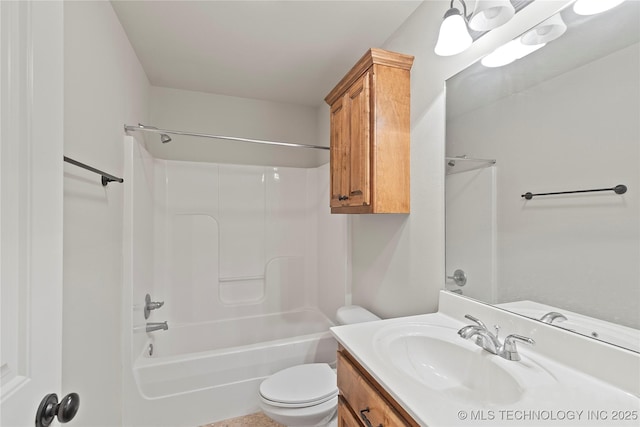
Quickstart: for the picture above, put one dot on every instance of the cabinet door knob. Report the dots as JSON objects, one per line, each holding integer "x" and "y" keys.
{"x": 343, "y": 198}
{"x": 365, "y": 419}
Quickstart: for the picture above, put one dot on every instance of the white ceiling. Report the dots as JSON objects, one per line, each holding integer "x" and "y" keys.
{"x": 284, "y": 51}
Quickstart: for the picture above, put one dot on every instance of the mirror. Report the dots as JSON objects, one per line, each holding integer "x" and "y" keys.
{"x": 565, "y": 117}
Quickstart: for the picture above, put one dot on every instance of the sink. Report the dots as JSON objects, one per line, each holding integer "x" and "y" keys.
{"x": 443, "y": 362}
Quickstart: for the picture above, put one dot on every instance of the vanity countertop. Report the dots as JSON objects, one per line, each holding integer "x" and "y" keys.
{"x": 546, "y": 392}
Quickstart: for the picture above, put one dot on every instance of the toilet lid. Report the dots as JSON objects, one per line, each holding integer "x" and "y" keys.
{"x": 300, "y": 385}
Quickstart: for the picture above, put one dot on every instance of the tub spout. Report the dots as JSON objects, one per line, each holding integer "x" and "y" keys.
{"x": 156, "y": 326}
{"x": 553, "y": 315}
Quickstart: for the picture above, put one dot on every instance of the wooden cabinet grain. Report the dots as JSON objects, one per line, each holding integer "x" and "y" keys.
{"x": 370, "y": 135}
{"x": 363, "y": 401}
{"x": 346, "y": 418}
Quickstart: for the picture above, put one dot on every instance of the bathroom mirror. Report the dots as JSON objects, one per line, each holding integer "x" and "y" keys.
{"x": 563, "y": 118}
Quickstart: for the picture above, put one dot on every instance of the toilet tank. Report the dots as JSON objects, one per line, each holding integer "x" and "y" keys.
{"x": 350, "y": 314}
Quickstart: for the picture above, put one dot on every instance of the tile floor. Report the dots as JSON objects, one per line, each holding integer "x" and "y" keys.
{"x": 253, "y": 420}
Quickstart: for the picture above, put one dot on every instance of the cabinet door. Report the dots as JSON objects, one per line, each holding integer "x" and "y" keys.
{"x": 359, "y": 109}
{"x": 345, "y": 416}
{"x": 340, "y": 148}
{"x": 363, "y": 397}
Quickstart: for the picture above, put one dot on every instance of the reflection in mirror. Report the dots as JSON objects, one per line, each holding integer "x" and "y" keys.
{"x": 564, "y": 116}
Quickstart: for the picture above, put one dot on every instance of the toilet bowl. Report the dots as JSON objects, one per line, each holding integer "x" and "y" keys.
{"x": 307, "y": 395}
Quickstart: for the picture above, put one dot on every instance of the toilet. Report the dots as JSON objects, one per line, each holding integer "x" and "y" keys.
{"x": 307, "y": 395}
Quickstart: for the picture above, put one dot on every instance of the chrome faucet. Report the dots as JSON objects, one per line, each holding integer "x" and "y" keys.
{"x": 490, "y": 342}
{"x": 484, "y": 338}
{"x": 156, "y": 326}
{"x": 551, "y": 316}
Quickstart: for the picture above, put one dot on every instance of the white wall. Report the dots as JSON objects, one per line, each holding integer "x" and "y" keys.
{"x": 105, "y": 87}
{"x": 231, "y": 116}
{"x": 398, "y": 260}
{"x": 578, "y": 130}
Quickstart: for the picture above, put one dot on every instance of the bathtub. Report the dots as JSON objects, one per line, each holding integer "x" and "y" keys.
{"x": 193, "y": 357}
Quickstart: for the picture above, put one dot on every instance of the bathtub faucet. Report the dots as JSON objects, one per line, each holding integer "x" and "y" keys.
{"x": 553, "y": 315}
{"x": 156, "y": 326}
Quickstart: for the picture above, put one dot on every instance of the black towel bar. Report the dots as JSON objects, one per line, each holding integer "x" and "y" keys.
{"x": 618, "y": 189}
{"x": 106, "y": 178}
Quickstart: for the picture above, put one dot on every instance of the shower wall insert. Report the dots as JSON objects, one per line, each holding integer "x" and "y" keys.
{"x": 233, "y": 256}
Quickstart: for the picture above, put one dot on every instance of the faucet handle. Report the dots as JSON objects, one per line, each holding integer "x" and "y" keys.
{"x": 155, "y": 305}
{"x": 150, "y": 305}
{"x": 476, "y": 320}
{"x": 509, "y": 349}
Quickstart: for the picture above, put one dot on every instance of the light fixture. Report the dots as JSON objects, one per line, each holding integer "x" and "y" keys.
{"x": 546, "y": 31}
{"x": 508, "y": 53}
{"x": 454, "y": 35}
{"x": 490, "y": 14}
{"x": 591, "y": 7}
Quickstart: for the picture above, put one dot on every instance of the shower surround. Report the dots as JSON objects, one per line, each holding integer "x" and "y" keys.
{"x": 234, "y": 252}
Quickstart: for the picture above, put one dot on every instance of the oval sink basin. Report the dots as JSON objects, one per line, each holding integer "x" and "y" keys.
{"x": 442, "y": 361}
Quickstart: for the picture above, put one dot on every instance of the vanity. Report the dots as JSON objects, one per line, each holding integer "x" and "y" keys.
{"x": 418, "y": 371}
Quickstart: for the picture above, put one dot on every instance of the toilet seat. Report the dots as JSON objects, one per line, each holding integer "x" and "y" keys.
{"x": 300, "y": 386}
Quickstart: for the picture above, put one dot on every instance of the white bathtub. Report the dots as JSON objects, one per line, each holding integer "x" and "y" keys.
{"x": 195, "y": 357}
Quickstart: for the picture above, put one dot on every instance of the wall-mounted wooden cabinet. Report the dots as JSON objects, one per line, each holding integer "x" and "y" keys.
{"x": 362, "y": 401}
{"x": 370, "y": 135}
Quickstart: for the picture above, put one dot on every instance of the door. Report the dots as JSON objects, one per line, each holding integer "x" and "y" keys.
{"x": 350, "y": 145}
{"x": 31, "y": 130}
{"x": 359, "y": 142}
{"x": 339, "y": 122}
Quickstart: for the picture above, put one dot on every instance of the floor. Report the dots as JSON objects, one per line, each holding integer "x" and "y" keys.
{"x": 253, "y": 420}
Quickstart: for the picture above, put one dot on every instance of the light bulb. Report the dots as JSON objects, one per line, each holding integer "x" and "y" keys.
{"x": 591, "y": 7}
{"x": 454, "y": 36}
{"x": 490, "y": 14}
{"x": 508, "y": 53}
{"x": 545, "y": 32}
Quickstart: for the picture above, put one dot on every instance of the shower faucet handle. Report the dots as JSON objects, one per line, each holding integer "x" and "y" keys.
{"x": 459, "y": 277}
{"x": 150, "y": 305}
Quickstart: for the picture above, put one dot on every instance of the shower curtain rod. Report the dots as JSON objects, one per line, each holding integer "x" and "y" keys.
{"x": 129, "y": 128}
